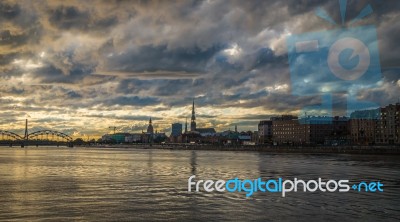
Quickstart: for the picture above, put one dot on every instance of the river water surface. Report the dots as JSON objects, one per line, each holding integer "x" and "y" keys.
{"x": 81, "y": 184}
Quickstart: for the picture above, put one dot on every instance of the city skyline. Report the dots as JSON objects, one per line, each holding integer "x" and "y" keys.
{"x": 366, "y": 116}
{"x": 80, "y": 68}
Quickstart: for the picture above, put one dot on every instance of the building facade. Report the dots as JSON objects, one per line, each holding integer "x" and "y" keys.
{"x": 288, "y": 130}
{"x": 265, "y": 132}
{"x": 310, "y": 130}
{"x": 388, "y": 125}
{"x": 176, "y": 129}
{"x": 363, "y": 126}
{"x": 362, "y": 131}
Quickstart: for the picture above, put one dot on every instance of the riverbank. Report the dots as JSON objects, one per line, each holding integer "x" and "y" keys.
{"x": 375, "y": 150}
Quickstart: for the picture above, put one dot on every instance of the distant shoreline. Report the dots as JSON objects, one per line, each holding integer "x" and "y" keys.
{"x": 369, "y": 150}
{"x": 375, "y": 150}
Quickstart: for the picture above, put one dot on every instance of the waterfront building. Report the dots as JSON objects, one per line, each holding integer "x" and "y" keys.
{"x": 159, "y": 137}
{"x": 287, "y": 130}
{"x": 206, "y": 131}
{"x": 362, "y": 131}
{"x": 133, "y": 138}
{"x": 363, "y": 126}
{"x": 176, "y": 133}
{"x": 255, "y": 137}
{"x": 106, "y": 138}
{"x": 265, "y": 131}
{"x": 388, "y": 125}
{"x": 118, "y": 138}
{"x": 310, "y": 130}
{"x": 176, "y": 129}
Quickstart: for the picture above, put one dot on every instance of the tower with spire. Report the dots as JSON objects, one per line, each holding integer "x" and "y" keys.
{"x": 150, "y": 127}
{"x": 193, "y": 120}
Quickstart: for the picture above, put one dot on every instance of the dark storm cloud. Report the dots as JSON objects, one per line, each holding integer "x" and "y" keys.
{"x": 9, "y": 11}
{"x": 265, "y": 56}
{"x": 66, "y": 17}
{"x": 6, "y": 38}
{"x": 131, "y": 101}
{"x": 154, "y": 58}
{"x": 71, "y": 17}
{"x": 70, "y": 70}
{"x": 124, "y": 117}
{"x": 74, "y": 95}
{"x": 51, "y": 74}
{"x": 5, "y": 59}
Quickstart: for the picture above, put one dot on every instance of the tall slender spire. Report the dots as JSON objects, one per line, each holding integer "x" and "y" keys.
{"x": 193, "y": 113}
{"x": 193, "y": 120}
{"x": 26, "y": 129}
{"x": 186, "y": 126}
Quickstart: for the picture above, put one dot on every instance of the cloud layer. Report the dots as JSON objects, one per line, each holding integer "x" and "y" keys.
{"x": 82, "y": 66}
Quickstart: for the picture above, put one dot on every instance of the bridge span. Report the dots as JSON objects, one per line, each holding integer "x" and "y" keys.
{"x": 40, "y": 137}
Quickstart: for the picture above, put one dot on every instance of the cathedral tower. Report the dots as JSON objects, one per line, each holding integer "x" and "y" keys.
{"x": 150, "y": 128}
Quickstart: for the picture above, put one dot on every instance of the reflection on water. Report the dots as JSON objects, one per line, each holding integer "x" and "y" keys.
{"x": 115, "y": 184}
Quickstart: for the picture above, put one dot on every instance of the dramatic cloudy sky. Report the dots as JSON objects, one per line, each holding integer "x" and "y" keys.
{"x": 82, "y": 66}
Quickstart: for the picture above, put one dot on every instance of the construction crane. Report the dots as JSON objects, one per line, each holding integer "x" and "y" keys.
{"x": 113, "y": 127}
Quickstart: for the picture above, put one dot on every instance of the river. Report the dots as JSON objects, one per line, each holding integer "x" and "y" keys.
{"x": 94, "y": 184}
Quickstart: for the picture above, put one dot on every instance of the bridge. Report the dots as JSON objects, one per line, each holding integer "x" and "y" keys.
{"x": 40, "y": 137}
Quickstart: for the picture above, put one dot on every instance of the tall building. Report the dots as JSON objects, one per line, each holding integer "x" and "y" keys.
{"x": 388, "y": 125}
{"x": 265, "y": 131}
{"x": 176, "y": 129}
{"x": 193, "y": 120}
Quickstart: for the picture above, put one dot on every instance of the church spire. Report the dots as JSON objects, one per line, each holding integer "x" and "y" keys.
{"x": 193, "y": 120}
{"x": 186, "y": 126}
{"x": 193, "y": 113}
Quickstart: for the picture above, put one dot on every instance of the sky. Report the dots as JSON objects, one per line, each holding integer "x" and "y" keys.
{"x": 80, "y": 67}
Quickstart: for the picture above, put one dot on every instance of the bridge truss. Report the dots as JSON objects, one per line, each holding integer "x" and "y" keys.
{"x": 42, "y": 135}
{"x": 49, "y": 135}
